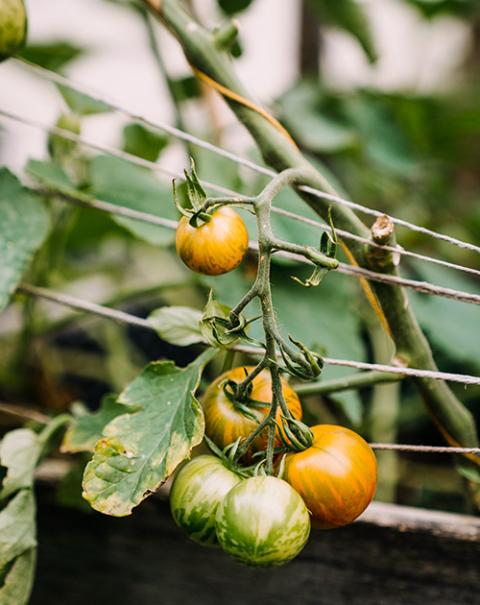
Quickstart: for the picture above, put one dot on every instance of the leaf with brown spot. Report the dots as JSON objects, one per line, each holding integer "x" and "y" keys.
{"x": 138, "y": 451}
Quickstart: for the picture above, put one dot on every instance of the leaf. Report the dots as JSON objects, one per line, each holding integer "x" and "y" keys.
{"x": 17, "y": 527}
{"x": 434, "y": 8}
{"x": 82, "y": 104}
{"x": 120, "y": 182}
{"x": 230, "y": 7}
{"x": 18, "y": 583}
{"x": 185, "y": 88}
{"x": 52, "y": 55}
{"x": 85, "y": 430}
{"x": 143, "y": 142}
{"x": 349, "y": 16}
{"x": 177, "y": 325}
{"x": 50, "y": 174}
{"x": 24, "y": 225}
{"x": 140, "y": 450}
{"x": 451, "y": 325}
{"x": 19, "y": 453}
{"x": 312, "y": 122}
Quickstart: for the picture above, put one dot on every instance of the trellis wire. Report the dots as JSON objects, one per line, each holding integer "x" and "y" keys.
{"x": 466, "y": 297}
{"x": 123, "y": 317}
{"x": 180, "y": 134}
{"x": 343, "y": 268}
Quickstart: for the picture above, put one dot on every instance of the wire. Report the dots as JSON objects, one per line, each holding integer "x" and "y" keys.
{"x": 345, "y": 269}
{"x": 180, "y": 134}
{"x": 225, "y": 191}
{"x": 123, "y": 317}
{"x": 425, "y": 449}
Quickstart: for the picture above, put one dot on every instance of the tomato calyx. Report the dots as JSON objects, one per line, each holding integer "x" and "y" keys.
{"x": 228, "y": 456}
{"x": 216, "y": 325}
{"x": 295, "y": 435}
{"x": 300, "y": 362}
{"x": 328, "y": 249}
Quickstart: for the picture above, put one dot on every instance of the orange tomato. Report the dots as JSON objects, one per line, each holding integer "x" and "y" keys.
{"x": 224, "y": 423}
{"x": 216, "y": 247}
{"x": 336, "y": 476}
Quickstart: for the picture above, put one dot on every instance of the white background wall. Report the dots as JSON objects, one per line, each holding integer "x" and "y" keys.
{"x": 415, "y": 54}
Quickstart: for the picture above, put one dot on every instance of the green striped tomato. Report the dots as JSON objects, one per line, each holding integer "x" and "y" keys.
{"x": 197, "y": 490}
{"x": 262, "y": 522}
{"x": 336, "y": 476}
{"x": 13, "y": 27}
{"x": 215, "y": 247}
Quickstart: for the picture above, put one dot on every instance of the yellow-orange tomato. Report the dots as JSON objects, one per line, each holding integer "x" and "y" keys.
{"x": 336, "y": 476}
{"x": 224, "y": 424}
{"x": 215, "y": 247}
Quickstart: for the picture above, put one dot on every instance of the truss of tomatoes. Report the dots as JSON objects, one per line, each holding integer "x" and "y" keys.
{"x": 264, "y": 520}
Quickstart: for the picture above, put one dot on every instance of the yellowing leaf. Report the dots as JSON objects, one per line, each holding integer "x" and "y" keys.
{"x": 138, "y": 451}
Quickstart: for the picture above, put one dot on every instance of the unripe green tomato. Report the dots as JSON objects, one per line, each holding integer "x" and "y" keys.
{"x": 13, "y": 27}
{"x": 262, "y": 522}
{"x": 197, "y": 490}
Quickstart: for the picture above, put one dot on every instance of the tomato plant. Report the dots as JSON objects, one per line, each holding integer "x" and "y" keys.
{"x": 197, "y": 490}
{"x": 216, "y": 246}
{"x": 336, "y": 476}
{"x": 262, "y": 522}
{"x": 225, "y": 423}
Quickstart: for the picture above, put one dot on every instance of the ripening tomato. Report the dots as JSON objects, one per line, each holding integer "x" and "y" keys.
{"x": 262, "y": 522}
{"x": 224, "y": 424}
{"x": 216, "y": 247}
{"x": 197, "y": 490}
{"x": 13, "y": 27}
{"x": 336, "y": 476}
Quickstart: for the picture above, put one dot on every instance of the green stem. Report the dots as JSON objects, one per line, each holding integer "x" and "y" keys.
{"x": 348, "y": 383}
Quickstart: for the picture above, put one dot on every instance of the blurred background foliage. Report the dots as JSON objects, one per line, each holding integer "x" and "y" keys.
{"x": 413, "y": 155}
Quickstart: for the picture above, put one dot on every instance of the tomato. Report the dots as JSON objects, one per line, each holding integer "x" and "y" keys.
{"x": 262, "y": 522}
{"x": 216, "y": 247}
{"x": 224, "y": 424}
{"x": 336, "y": 476}
{"x": 13, "y": 27}
{"x": 197, "y": 490}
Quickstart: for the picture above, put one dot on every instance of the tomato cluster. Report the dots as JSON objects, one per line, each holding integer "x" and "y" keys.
{"x": 263, "y": 520}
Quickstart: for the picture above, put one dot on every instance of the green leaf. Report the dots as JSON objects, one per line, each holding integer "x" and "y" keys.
{"x": 312, "y": 122}
{"x": 52, "y": 55}
{"x": 18, "y": 583}
{"x": 139, "y": 451}
{"x": 120, "y": 182}
{"x": 17, "y": 527}
{"x": 451, "y": 325}
{"x": 177, "y": 325}
{"x": 50, "y": 174}
{"x": 85, "y": 430}
{"x": 143, "y": 142}
{"x": 19, "y": 453}
{"x": 230, "y": 7}
{"x": 24, "y": 225}
{"x": 82, "y": 104}
{"x": 185, "y": 88}
{"x": 434, "y": 8}
{"x": 349, "y": 16}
